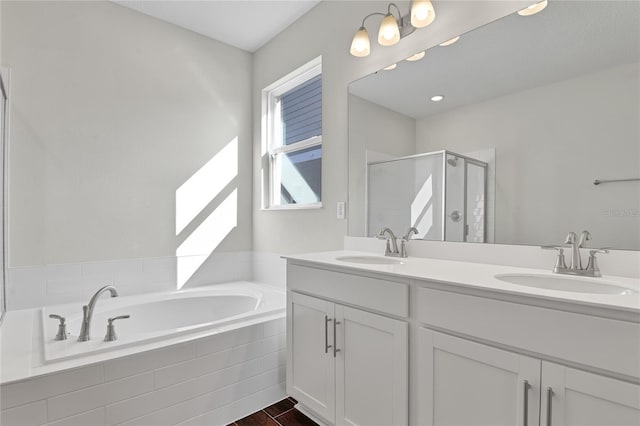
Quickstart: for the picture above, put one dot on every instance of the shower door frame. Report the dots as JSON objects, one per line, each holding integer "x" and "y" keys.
{"x": 465, "y": 224}
{"x": 5, "y": 77}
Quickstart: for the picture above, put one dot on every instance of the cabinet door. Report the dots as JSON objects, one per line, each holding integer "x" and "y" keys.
{"x": 575, "y": 397}
{"x": 461, "y": 382}
{"x": 310, "y": 362}
{"x": 371, "y": 369}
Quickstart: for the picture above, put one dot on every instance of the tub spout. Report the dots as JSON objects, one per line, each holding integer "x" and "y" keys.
{"x": 87, "y": 312}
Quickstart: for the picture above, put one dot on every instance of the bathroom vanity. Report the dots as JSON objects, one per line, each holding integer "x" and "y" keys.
{"x": 374, "y": 340}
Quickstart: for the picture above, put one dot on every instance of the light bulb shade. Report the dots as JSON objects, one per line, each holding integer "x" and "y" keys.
{"x": 533, "y": 9}
{"x": 422, "y": 13}
{"x": 360, "y": 46}
{"x": 389, "y": 33}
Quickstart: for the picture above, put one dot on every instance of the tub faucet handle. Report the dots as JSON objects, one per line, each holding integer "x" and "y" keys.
{"x": 111, "y": 329}
{"x": 62, "y": 327}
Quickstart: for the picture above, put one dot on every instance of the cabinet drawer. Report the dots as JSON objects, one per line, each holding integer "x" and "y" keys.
{"x": 370, "y": 293}
{"x": 587, "y": 340}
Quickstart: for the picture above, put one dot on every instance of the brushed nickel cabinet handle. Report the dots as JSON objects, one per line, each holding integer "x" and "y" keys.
{"x": 525, "y": 409}
{"x": 549, "y": 402}
{"x": 327, "y": 346}
{"x": 335, "y": 346}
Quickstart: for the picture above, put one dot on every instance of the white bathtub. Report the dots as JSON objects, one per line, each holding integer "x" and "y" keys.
{"x": 160, "y": 316}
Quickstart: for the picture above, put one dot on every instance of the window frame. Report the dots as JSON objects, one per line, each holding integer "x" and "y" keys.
{"x": 272, "y": 145}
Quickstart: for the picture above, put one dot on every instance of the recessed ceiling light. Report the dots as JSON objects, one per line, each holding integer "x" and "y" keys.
{"x": 450, "y": 42}
{"x": 437, "y": 98}
{"x": 390, "y": 67}
{"x": 533, "y": 9}
{"x": 416, "y": 57}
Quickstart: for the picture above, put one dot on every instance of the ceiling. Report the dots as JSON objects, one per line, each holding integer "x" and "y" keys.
{"x": 567, "y": 39}
{"x": 246, "y": 24}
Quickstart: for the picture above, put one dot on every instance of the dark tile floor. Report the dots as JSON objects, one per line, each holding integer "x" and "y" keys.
{"x": 281, "y": 413}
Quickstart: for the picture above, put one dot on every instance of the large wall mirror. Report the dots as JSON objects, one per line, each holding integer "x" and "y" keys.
{"x": 534, "y": 110}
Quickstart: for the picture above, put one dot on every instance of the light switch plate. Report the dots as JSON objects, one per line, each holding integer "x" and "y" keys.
{"x": 341, "y": 207}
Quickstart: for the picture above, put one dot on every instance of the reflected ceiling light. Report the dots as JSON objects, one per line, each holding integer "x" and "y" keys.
{"x": 437, "y": 98}
{"x": 394, "y": 26}
{"x": 390, "y": 67}
{"x": 416, "y": 57}
{"x": 360, "y": 46}
{"x": 450, "y": 42}
{"x": 533, "y": 9}
{"x": 422, "y": 13}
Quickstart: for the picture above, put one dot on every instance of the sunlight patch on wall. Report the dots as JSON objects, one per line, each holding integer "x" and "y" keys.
{"x": 193, "y": 252}
{"x": 422, "y": 208}
{"x": 205, "y": 184}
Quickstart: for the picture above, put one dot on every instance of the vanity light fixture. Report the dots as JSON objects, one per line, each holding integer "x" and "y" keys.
{"x": 393, "y": 28}
{"x": 450, "y": 42}
{"x": 437, "y": 98}
{"x": 416, "y": 57}
{"x": 422, "y": 13}
{"x": 533, "y": 9}
{"x": 390, "y": 67}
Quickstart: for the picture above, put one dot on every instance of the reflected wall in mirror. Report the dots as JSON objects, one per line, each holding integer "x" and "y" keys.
{"x": 550, "y": 102}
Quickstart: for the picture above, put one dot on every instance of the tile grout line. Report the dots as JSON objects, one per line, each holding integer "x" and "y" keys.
{"x": 284, "y": 412}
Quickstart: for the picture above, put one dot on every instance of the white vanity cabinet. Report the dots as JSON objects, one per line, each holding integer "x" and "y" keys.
{"x": 468, "y": 383}
{"x": 576, "y": 397}
{"x": 476, "y": 355}
{"x": 347, "y": 365}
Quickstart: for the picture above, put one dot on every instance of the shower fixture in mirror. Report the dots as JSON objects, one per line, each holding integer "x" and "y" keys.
{"x": 545, "y": 103}
{"x": 455, "y": 182}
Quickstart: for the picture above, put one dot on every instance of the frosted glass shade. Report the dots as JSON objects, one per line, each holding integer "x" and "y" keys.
{"x": 389, "y": 33}
{"x": 360, "y": 46}
{"x": 422, "y": 13}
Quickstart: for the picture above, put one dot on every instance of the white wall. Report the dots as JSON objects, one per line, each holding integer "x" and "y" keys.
{"x": 327, "y": 30}
{"x": 551, "y": 143}
{"x": 372, "y": 127}
{"x": 112, "y": 112}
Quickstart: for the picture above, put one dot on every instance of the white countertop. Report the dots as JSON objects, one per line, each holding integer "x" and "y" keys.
{"x": 481, "y": 276}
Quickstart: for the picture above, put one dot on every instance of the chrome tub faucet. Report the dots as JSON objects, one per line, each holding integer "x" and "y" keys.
{"x": 87, "y": 312}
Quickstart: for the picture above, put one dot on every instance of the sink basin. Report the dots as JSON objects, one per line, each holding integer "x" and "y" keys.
{"x": 370, "y": 260}
{"x": 572, "y": 284}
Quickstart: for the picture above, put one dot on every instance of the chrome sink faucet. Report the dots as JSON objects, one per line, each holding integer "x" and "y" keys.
{"x": 87, "y": 312}
{"x": 391, "y": 242}
{"x": 405, "y": 240}
{"x": 575, "y": 268}
{"x": 392, "y": 245}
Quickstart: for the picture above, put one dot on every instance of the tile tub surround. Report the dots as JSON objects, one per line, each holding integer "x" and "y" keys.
{"x": 44, "y": 285}
{"x": 212, "y": 380}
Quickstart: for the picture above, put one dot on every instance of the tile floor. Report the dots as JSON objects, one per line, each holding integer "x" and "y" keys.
{"x": 281, "y": 413}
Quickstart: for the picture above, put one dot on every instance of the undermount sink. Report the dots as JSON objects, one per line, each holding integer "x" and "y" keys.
{"x": 370, "y": 260}
{"x": 572, "y": 284}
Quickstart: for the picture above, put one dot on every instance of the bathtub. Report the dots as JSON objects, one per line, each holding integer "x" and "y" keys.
{"x": 171, "y": 316}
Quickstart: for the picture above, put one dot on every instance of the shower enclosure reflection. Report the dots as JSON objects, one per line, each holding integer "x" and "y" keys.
{"x": 443, "y": 194}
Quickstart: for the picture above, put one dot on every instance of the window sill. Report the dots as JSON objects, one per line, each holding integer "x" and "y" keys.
{"x": 314, "y": 206}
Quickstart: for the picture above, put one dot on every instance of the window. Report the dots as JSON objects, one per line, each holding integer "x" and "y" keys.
{"x": 293, "y": 130}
